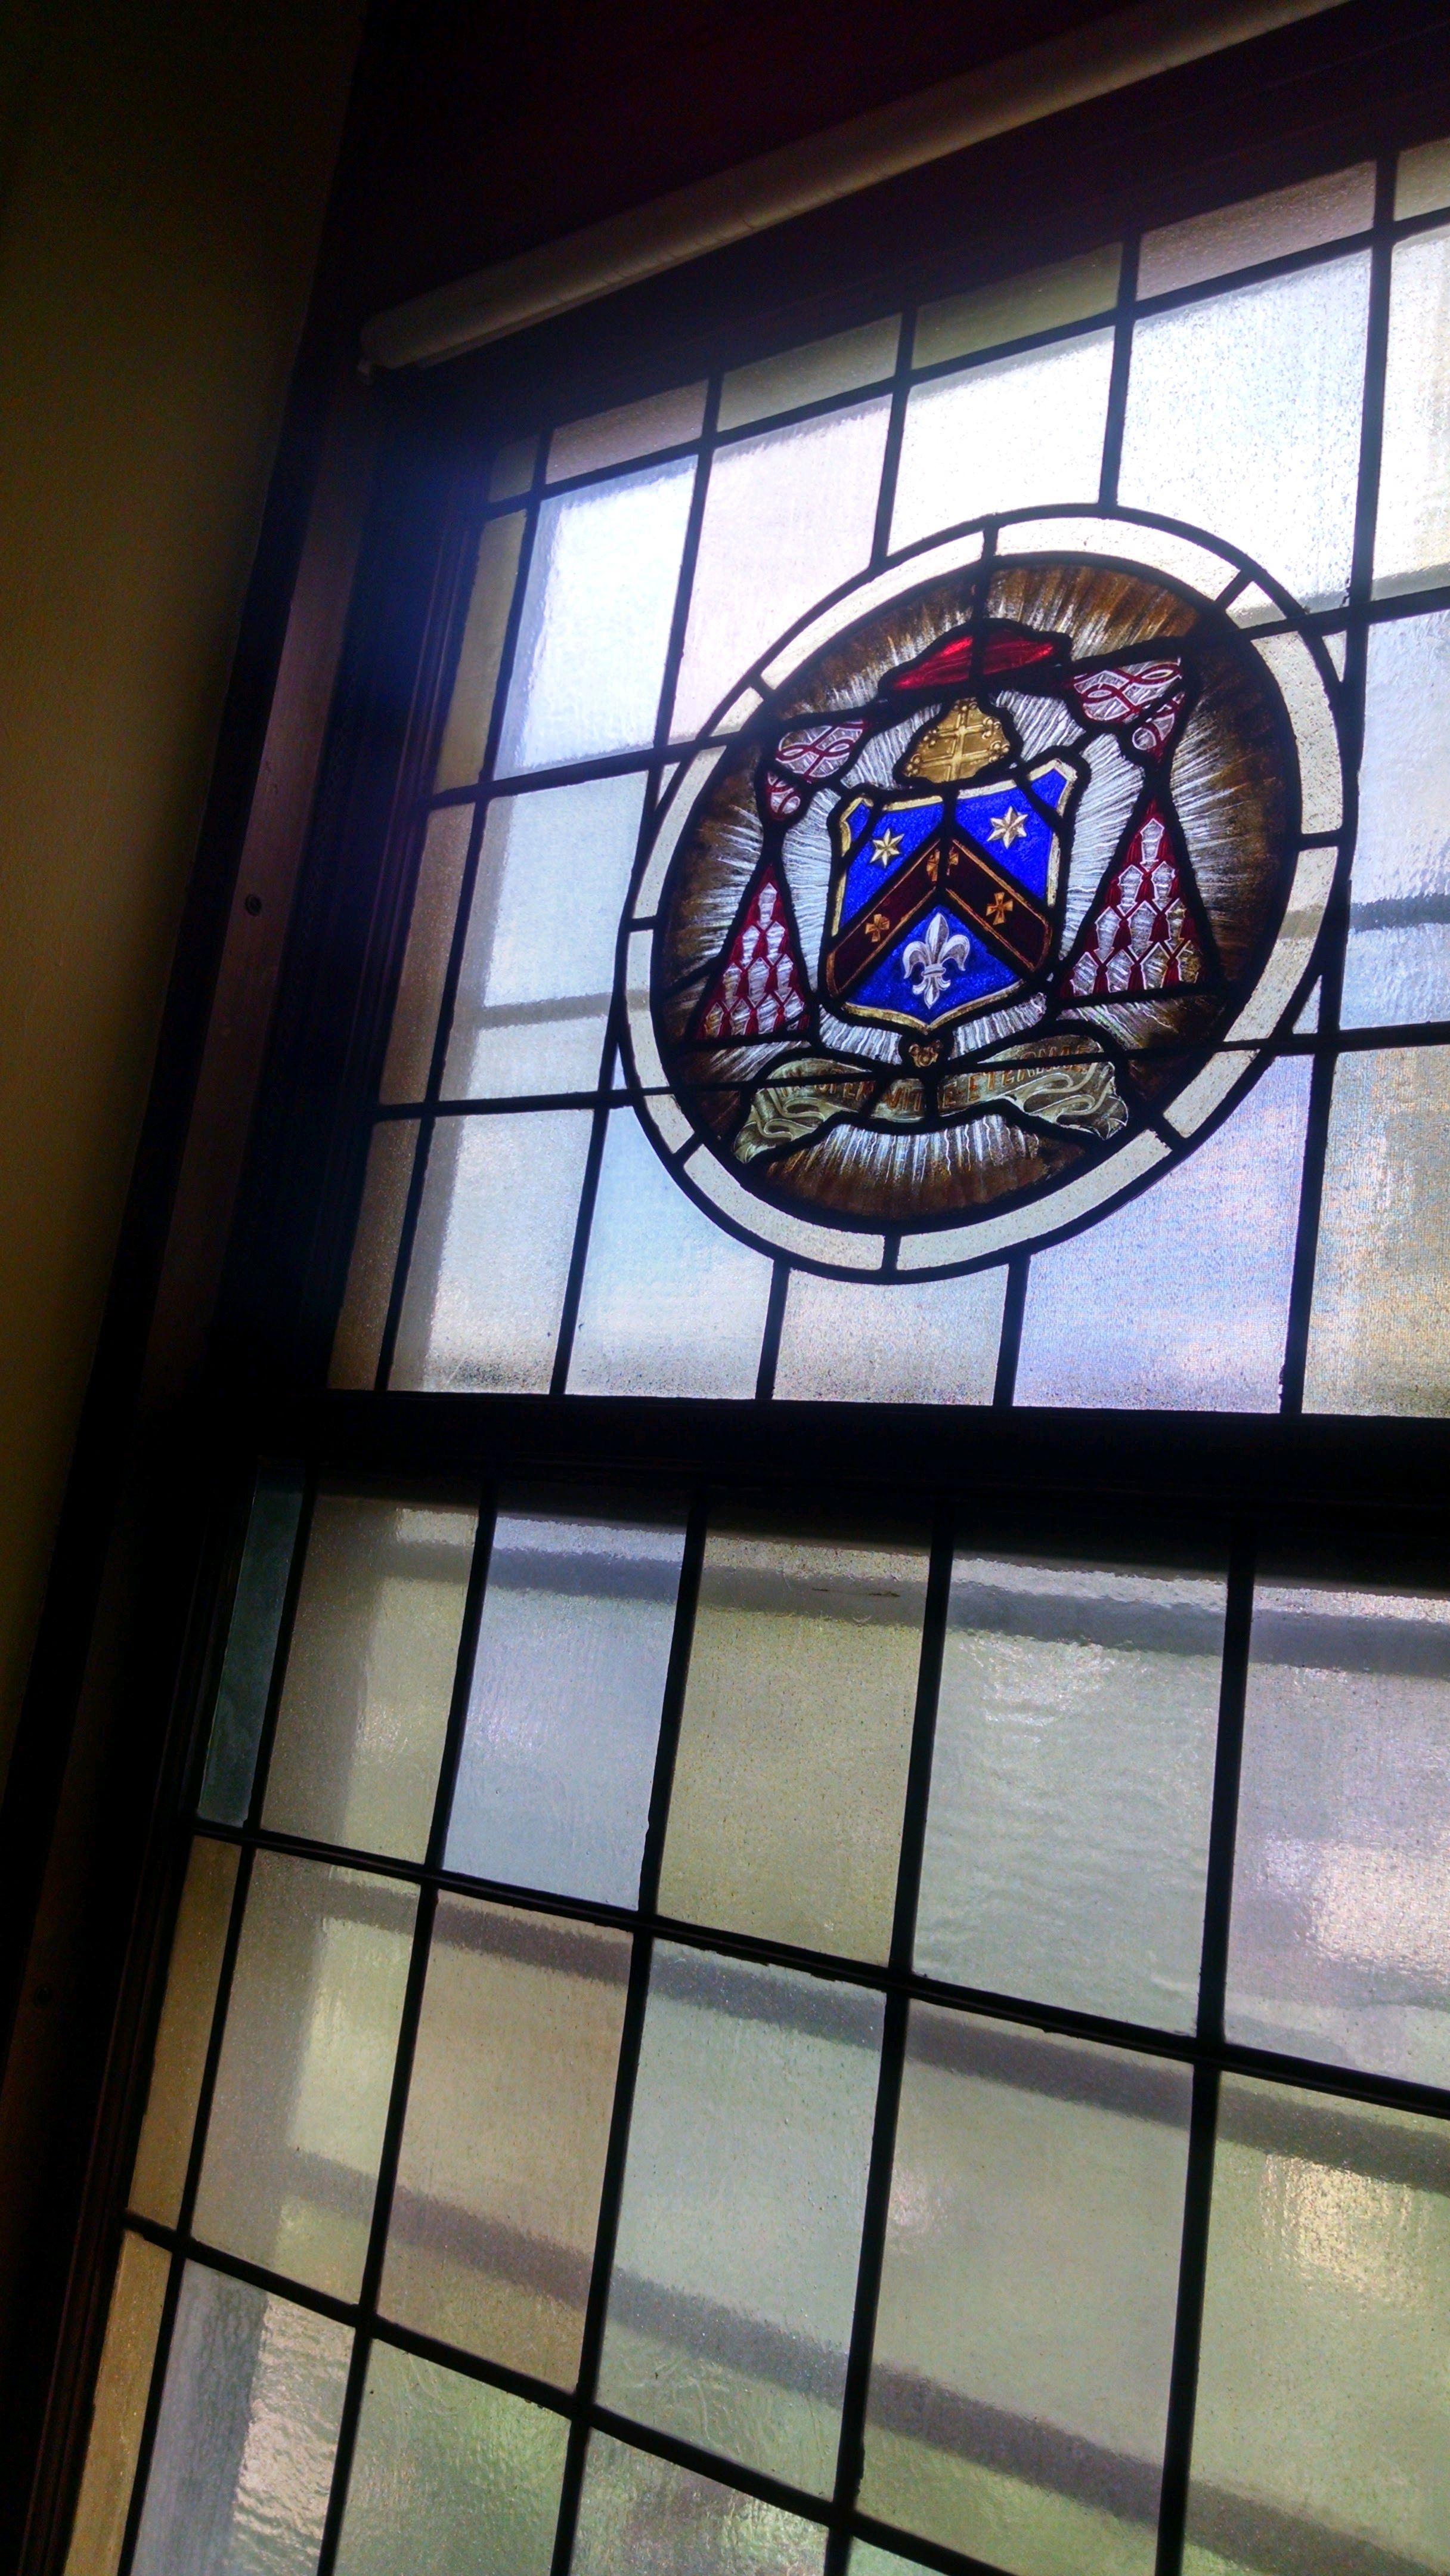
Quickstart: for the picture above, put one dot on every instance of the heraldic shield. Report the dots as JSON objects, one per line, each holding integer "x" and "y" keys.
{"x": 946, "y": 902}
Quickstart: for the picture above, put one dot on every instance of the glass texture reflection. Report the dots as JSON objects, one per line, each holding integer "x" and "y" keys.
{"x": 448, "y": 2469}
{"x": 647, "y": 2515}
{"x": 1067, "y": 1834}
{"x": 739, "y": 2233}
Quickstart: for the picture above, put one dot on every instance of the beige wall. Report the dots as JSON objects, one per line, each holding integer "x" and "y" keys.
{"x": 164, "y": 166}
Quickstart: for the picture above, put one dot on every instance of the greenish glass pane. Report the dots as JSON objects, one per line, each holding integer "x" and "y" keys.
{"x": 241, "y": 1700}
{"x": 1024, "y": 2333}
{"x": 868, "y": 2560}
{"x": 449, "y": 2474}
{"x": 646, "y": 2516}
{"x": 1322, "y": 2433}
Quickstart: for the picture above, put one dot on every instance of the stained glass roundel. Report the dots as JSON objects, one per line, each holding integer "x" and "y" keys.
{"x": 983, "y": 899}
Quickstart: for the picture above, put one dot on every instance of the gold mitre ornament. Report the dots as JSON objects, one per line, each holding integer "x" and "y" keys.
{"x": 963, "y": 741}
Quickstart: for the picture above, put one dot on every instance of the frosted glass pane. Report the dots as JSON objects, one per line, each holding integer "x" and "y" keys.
{"x": 1317, "y": 210}
{"x": 465, "y": 734}
{"x": 1243, "y": 417}
{"x": 538, "y": 961}
{"x": 930, "y": 1344}
{"x": 1412, "y": 533}
{"x": 306, "y": 2066}
{"x": 358, "y": 1342}
{"x": 425, "y": 960}
{"x": 1181, "y": 1298}
{"x": 1003, "y": 435}
{"x": 1025, "y": 2330}
{"x": 632, "y": 429}
{"x": 1340, "y": 1939}
{"x": 491, "y": 2243}
{"x": 787, "y": 517}
{"x": 790, "y": 1774}
{"x": 491, "y": 1254}
{"x": 241, "y": 1700}
{"x": 596, "y": 619}
{"x": 1379, "y": 1338}
{"x": 1398, "y": 962}
{"x": 811, "y": 374}
{"x": 672, "y": 1305}
{"x": 449, "y": 2473}
{"x": 739, "y": 2235}
{"x": 1072, "y": 1781}
{"x": 647, "y": 2515}
{"x": 1323, "y": 2422}
{"x": 1422, "y": 182}
{"x": 243, "y": 2459}
{"x": 512, "y": 470}
{"x": 558, "y": 1756}
{"x": 184, "y": 2033}
{"x": 123, "y": 2384}
{"x": 1012, "y": 308}
{"x": 370, "y": 1674}
{"x": 867, "y": 2560}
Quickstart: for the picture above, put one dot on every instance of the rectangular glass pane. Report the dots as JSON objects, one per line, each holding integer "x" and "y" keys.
{"x": 465, "y": 735}
{"x": 672, "y": 1305}
{"x": 358, "y": 1342}
{"x": 184, "y": 2033}
{"x": 538, "y": 960}
{"x": 1398, "y": 961}
{"x": 490, "y": 1257}
{"x": 1072, "y": 1782}
{"x": 596, "y": 619}
{"x": 243, "y": 2460}
{"x": 1422, "y": 182}
{"x": 632, "y": 429}
{"x": 1013, "y": 308}
{"x": 558, "y": 1756}
{"x": 512, "y": 470}
{"x": 739, "y": 2235}
{"x": 1379, "y": 1339}
{"x": 1180, "y": 1298}
{"x": 1412, "y": 531}
{"x": 1025, "y": 2331}
{"x": 1323, "y": 2421}
{"x": 306, "y": 2068}
{"x": 370, "y": 1673}
{"x": 491, "y": 2244}
{"x": 1340, "y": 1940}
{"x": 1317, "y": 210}
{"x": 246, "y": 1677}
{"x": 935, "y": 1343}
{"x": 1243, "y": 417}
{"x": 645, "y": 2514}
{"x": 119, "y": 2410}
{"x": 785, "y": 1815}
{"x": 787, "y": 517}
{"x": 812, "y": 374}
{"x": 1000, "y": 436}
{"x": 450, "y": 2473}
{"x": 425, "y": 960}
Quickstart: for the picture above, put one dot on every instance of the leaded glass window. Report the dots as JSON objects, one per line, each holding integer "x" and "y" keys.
{"x": 932, "y": 877}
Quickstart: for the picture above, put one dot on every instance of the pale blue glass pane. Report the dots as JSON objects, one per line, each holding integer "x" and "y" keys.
{"x": 1412, "y": 528}
{"x": 1004, "y": 435}
{"x": 449, "y": 2473}
{"x": 1398, "y": 962}
{"x": 672, "y": 1305}
{"x": 640, "y": 2513}
{"x": 1340, "y": 1942}
{"x": 538, "y": 960}
{"x": 1024, "y": 2334}
{"x": 558, "y": 1757}
{"x": 596, "y": 619}
{"x": 787, "y": 517}
{"x": 1072, "y": 1780}
{"x": 739, "y": 2236}
{"x": 490, "y": 1259}
{"x": 243, "y": 2459}
{"x": 1180, "y": 1298}
{"x": 1243, "y": 418}
{"x": 241, "y": 1700}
